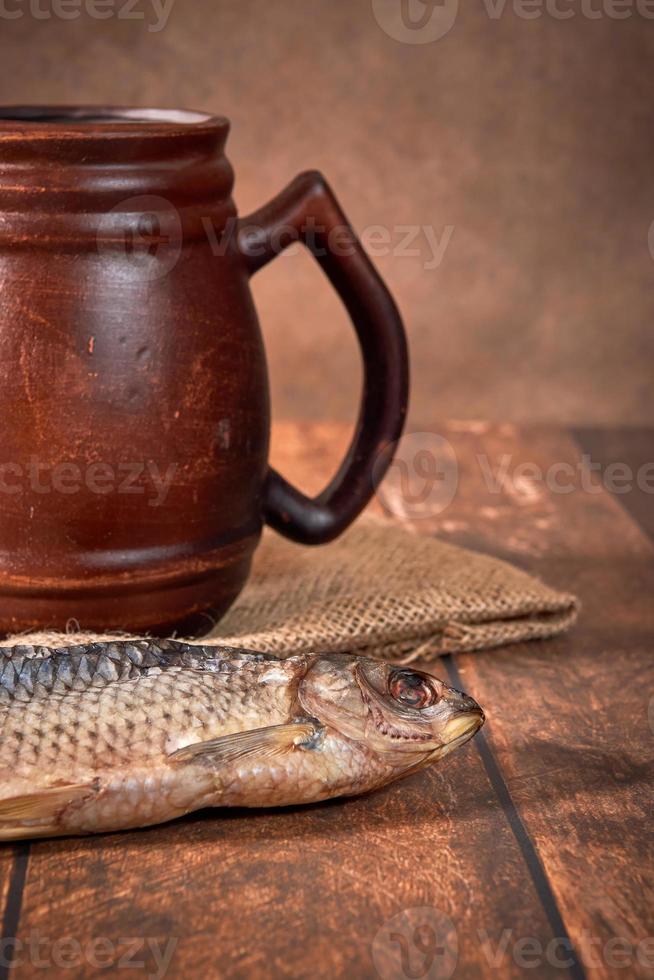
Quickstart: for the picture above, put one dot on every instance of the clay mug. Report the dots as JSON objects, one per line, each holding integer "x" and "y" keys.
{"x": 134, "y": 477}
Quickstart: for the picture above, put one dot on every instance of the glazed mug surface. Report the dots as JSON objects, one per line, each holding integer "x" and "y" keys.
{"x": 134, "y": 477}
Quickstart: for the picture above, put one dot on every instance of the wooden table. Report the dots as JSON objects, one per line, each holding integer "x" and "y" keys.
{"x": 530, "y": 849}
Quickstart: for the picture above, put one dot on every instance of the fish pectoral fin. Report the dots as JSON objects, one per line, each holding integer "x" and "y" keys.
{"x": 260, "y": 742}
{"x": 44, "y": 805}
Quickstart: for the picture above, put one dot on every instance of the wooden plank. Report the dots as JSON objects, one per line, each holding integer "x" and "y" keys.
{"x": 301, "y": 892}
{"x": 13, "y": 867}
{"x": 576, "y": 754}
{"x": 571, "y": 720}
{"x": 630, "y": 448}
{"x": 518, "y": 493}
{"x": 579, "y": 770}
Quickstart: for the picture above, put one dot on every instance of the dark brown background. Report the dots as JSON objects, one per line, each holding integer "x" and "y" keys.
{"x": 532, "y": 138}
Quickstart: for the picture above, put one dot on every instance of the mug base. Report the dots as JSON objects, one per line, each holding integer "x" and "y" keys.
{"x": 171, "y": 606}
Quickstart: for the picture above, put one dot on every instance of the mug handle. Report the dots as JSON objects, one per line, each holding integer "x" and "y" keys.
{"x": 307, "y": 210}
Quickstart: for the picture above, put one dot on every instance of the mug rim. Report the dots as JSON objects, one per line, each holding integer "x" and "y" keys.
{"x": 105, "y": 120}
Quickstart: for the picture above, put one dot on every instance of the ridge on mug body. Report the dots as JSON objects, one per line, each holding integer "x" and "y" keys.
{"x": 134, "y": 477}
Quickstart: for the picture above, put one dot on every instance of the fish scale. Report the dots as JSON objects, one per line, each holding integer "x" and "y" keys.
{"x": 79, "y": 667}
{"x": 152, "y": 692}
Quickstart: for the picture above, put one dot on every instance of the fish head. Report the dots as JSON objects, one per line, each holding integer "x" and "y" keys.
{"x": 407, "y": 717}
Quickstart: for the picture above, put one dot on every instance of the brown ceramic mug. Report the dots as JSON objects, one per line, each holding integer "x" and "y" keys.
{"x": 134, "y": 477}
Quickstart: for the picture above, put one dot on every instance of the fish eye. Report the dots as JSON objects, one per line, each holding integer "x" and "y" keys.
{"x": 411, "y": 689}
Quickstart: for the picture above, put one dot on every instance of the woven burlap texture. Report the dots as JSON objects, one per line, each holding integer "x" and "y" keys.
{"x": 382, "y": 591}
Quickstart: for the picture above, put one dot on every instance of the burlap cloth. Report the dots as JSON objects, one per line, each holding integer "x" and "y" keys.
{"x": 381, "y": 591}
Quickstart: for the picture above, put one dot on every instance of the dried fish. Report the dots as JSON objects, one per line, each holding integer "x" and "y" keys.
{"x": 124, "y": 734}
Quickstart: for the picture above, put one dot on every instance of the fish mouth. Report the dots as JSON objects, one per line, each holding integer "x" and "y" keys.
{"x": 459, "y": 730}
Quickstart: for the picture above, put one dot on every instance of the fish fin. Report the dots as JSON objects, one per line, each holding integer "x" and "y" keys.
{"x": 34, "y": 813}
{"x": 260, "y": 742}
